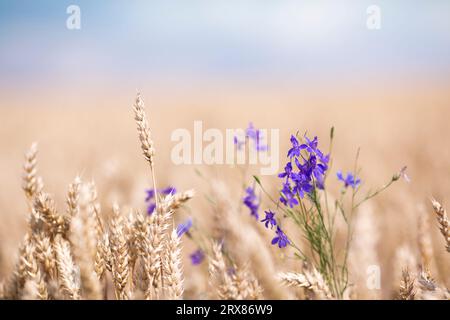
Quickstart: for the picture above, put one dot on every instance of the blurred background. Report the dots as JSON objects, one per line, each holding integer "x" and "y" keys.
{"x": 292, "y": 65}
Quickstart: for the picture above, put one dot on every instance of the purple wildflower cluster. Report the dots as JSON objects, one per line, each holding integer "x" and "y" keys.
{"x": 151, "y": 205}
{"x": 253, "y": 134}
{"x": 349, "y": 181}
{"x": 251, "y": 201}
{"x": 280, "y": 238}
{"x": 311, "y": 165}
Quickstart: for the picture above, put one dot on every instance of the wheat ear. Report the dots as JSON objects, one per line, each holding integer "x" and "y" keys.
{"x": 406, "y": 291}
{"x": 181, "y": 198}
{"x": 246, "y": 283}
{"x": 145, "y": 138}
{"x": 159, "y": 223}
{"x": 120, "y": 255}
{"x": 68, "y": 274}
{"x": 30, "y": 182}
{"x": 45, "y": 207}
{"x": 173, "y": 269}
{"x": 442, "y": 219}
{"x": 219, "y": 274}
{"x": 45, "y": 255}
{"x": 310, "y": 279}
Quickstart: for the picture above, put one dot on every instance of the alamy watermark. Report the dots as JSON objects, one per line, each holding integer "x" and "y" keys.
{"x": 373, "y": 21}
{"x": 230, "y": 147}
{"x": 73, "y": 21}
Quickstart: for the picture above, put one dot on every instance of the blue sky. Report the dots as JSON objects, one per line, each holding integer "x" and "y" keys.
{"x": 221, "y": 39}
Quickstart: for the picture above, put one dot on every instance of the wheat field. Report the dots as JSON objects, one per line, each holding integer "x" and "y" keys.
{"x": 75, "y": 220}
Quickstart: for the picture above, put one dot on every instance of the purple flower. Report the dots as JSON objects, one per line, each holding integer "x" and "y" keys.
{"x": 184, "y": 227}
{"x": 287, "y": 171}
{"x": 287, "y": 196}
{"x": 197, "y": 257}
{"x": 310, "y": 146}
{"x": 251, "y": 201}
{"x": 281, "y": 239}
{"x": 296, "y": 148}
{"x": 350, "y": 180}
{"x": 311, "y": 165}
{"x": 302, "y": 185}
{"x": 269, "y": 219}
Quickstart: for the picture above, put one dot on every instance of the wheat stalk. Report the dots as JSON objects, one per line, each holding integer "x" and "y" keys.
{"x": 173, "y": 268}
{"x": 145, "y": 138}
{"x": 424, "y": 242}
{"x": 159, "y": 223}
{"x": 90, "y": 284}
{"x": 45, "y": 255}
{"x": 120, "y": 255}
{"x": 30, "y": 181}
{"x": 246, "y": 283}
{"x": 406, "y": 291}
{"x": 181, "y": 198}
{"x": 68, "y": 273}
{"x": 219, "y": 274}
{"x": 443, "y": 222}
{"x": 45, "y": 207}
{"x": 310, "y": 279}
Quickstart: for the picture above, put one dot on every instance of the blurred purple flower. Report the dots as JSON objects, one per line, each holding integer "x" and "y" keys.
{"x": 252, "y": 134}
{"x": 197, "y": 257}
{"x": 349, "y": 180}
{"x": 251, "y": 201}
{"x": 184, "y": 227}
{"x": 151, "y": 207}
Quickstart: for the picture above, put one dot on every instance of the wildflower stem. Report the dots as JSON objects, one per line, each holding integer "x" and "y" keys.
{"x": 373, "y": 194}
